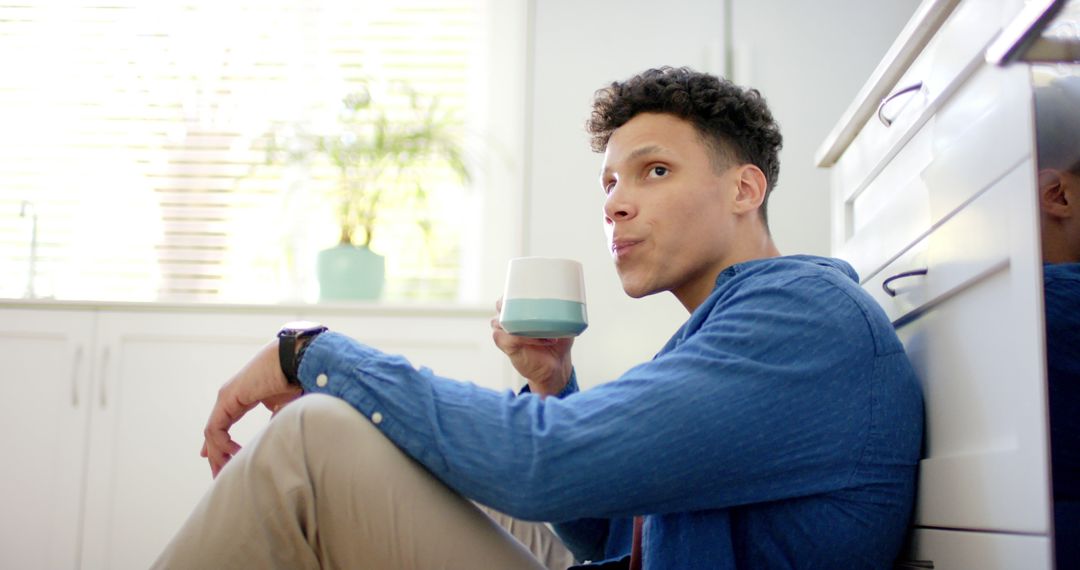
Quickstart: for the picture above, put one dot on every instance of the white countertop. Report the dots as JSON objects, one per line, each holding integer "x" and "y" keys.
{"x": 339, "y": 308}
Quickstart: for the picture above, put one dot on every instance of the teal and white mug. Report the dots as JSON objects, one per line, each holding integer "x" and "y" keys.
{"x": 544, "y": 298}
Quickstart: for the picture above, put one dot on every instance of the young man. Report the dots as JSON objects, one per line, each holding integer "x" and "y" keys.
{"x": 1057, "y": 137}
{"x": 779, "y": 427}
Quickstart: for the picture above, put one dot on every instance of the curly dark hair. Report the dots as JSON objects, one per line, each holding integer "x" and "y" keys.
{"x": 734, "y": 122}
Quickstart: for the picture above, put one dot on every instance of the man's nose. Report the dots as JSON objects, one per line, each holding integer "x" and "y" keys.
{"x": 618, "y": 206}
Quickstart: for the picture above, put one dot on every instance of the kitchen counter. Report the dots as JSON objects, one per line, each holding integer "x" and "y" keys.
{"x": 336, "y": 309}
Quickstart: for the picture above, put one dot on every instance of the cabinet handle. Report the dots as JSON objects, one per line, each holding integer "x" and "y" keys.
{"x": 1023, "y": 32}
{"x": 892, "y": 292}
{"x": 913, "y": 564}
{"x": 75, "y": 365}
{"x": 886, "y": 120}
{"x": 104, "y": 377}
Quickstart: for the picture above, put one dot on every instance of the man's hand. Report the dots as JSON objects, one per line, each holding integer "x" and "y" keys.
{"x": 259, "y": 381}
{"x": 544, "y": 362}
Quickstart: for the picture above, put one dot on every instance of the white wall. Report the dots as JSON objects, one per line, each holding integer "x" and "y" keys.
{"x": 500, "y": 111}
{"x": 808, "y": 58}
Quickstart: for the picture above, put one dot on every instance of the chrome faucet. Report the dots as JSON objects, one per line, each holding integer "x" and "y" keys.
{"x": 28, "y": 209}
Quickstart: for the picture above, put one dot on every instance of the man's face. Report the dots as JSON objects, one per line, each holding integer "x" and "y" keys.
{"x": 668, "y": 214}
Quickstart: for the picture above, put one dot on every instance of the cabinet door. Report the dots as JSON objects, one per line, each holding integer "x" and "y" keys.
{"x": 160, "y": 376}
{"x": 977, "y": 345}
{"x": 43, "y": 419}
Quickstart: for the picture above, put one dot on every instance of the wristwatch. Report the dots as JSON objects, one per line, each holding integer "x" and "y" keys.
{"x": 288, "y": 336}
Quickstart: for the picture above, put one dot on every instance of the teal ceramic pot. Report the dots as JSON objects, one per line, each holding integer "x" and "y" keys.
{"x": 350, "y": 273}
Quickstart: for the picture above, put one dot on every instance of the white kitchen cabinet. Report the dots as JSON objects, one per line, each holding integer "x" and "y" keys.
{"x": 934, "y": 204}
{"x": 971, "y": 329}
{"x": 105, "y": 409}
{"x": 158, "y": 377}
{"x": 47, "y": 358}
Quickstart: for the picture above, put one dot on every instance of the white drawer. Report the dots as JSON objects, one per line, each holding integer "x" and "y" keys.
{"x": 967, "y": 146}
{"x": 979, "y": 356}
{"x": 962, "y": 249}
{"x": 973, "y": 332}
{"x": 876, "y": 143}
{"x": 954, "y": 51}
{"x": 958, "y": 550}
{"x": 979, "y": 135}
{"x": 892, "y": 213}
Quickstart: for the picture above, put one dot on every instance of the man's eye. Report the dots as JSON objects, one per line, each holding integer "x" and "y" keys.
{"x": 659, "y": 171}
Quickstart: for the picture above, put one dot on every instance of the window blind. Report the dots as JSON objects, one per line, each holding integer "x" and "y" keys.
{"x": 134, "y": 133}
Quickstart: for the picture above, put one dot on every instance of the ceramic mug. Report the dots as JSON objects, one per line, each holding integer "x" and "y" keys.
{"x": 544, "y": 298}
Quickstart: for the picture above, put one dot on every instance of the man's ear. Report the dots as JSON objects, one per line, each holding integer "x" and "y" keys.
{"x": 1053, "y": 199}
{"x": 751, "y": 184}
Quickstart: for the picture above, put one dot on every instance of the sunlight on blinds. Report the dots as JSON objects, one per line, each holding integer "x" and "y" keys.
{"x": 133, "y": 162}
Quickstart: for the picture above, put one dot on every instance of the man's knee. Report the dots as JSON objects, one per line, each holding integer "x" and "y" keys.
{"x": 340, "y": 449}
{"x": 304, "y": 426}
{"x": 314, "y": 418}
{"x": 315, "y": 406}
{"x": 305, "y": 441}
{"x": 322, "y": 427}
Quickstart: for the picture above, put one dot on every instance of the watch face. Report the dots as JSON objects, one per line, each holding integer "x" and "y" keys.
{"x": 300, "y": 327}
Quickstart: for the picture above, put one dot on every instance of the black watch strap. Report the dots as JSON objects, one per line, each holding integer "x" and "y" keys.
{"x": 288, "y": 336}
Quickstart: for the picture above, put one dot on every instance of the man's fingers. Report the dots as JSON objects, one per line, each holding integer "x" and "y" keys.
{"x": 219, "y": 447}
{"x": 510, "y": 344}
{"x": 504, "y": 340}
{"x": 218, "y": 457}
{"x": 219, "y": 440}
{"x": 231, "y": 447}
{"x": 227, "y": 411}
{"x": 215, "y": 466}
{"x": 259, "y": 380}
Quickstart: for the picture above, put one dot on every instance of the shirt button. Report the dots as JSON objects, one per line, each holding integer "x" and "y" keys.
{"x": 376, "y": 418}
{"x": 321, "y": 380}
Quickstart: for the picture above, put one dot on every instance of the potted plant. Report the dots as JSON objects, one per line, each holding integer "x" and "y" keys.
{"x": 380, "y": 152}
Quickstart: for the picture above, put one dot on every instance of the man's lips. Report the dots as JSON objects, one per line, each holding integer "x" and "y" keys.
{"x": 621, "y": 246}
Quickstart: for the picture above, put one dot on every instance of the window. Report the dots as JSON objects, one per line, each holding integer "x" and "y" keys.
{"x": 133, "y": 162}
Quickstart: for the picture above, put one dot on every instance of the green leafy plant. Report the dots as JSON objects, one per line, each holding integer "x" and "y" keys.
{"x": 383, "y": 151}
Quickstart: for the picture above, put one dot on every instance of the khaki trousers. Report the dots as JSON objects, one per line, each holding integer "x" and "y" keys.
{"x": 321, "y": 487}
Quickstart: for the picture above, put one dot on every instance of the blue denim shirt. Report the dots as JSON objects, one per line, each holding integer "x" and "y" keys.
{"x": 779, "y": 427}
{"x": 1062, "y": 294}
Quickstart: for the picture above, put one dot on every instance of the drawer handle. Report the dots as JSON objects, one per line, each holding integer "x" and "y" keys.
{"x": 75, "y": 376}
{"x": 104, "y": 377}
{"x": 913, "y": 564}
{"x": 892, "y": 292}
{"x": 886, "y": 120}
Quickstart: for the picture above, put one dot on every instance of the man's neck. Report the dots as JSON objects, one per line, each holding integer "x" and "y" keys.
{"x": 694, "y": 294}
{"x": 1056, "y": 244}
